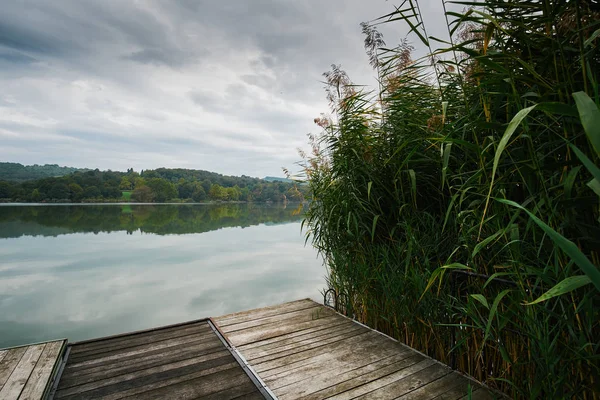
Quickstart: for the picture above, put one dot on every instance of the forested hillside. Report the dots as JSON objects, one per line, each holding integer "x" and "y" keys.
{"x": 19, "y": 173}
{"x": 160, "y": 185}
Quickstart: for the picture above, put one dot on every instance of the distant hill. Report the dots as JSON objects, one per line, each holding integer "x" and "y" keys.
{"x": 276, "y": 179}
{"x": 16, "y": 172}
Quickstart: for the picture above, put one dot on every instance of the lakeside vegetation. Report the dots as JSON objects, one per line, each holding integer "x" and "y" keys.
{"x": 159, "y": 185}
{"x": 481, "y": 157}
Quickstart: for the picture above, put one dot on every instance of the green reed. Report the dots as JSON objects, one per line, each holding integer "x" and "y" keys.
{"x": 481, "y": 157}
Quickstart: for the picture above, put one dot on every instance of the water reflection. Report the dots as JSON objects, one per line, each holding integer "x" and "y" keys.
{"x": 49, "y": 220}
{"x": 145, "y": 266}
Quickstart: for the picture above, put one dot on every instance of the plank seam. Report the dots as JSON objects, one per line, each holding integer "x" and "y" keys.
{"x": 248, "y": 370}
{"x": 59, "y": 373}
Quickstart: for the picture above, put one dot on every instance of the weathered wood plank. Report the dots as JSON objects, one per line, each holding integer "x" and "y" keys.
{"x": 117, "y": 367}
{"x": 246, "y": 390}
{"x": 256, "y": 334}
{"x": 324, "y": 376}
{"x": 258, "y": 313}
{"x": 133, "y": 393}
{"x": 198, "y": 387}
{"x": 141, "y": 378}
{"x": 333, "y": 334}
{"x": 298, "y": 335}
{"x": 307, "y": 314}
{"x": 359, "y": 380}
{"x": 10, "y": 361}
{"x": 408, "y": 383}
{"x": 327, "y": 342}
{"x": 370, "y": 351}
{"x": 345, "y": 347}
{"x": 437, "y": 388}
{"x": 459, "y": 390}
{"x": 137, "y": 344}
{"x": 3, "y": 353}
{"x": 142, "y": 350}
{"x": 17, "y": 380}
{"x": 141, "y": 338}
{"x": 40, "y": 376}
{"x": 136, "y": 357}
{"x": 374, "y": 384}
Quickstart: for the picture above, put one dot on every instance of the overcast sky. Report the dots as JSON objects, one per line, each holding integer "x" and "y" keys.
{"x": 220, "y": 85}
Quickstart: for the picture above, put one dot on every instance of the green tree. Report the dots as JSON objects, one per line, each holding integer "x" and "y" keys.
{"x": 217, "y": 192}
{"x": 91, "y": 192}
{"x": 199, "y": 194}
{"x": 162, "y": 190}
{"x": 35, "y": 195}
{"x": 125, "y": 184}
{"x": 138, "y": 181}
{"x": 59, "y": 191}
{"x": 75, "y": 192}
{"x": 5, "y": 190}
{"x": 142, "y": 194}
{"x": 186, "y": 189}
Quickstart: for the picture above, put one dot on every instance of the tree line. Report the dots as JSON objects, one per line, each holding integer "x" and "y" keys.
{"x": 20, "y": 173}
{"x": 150, "y": 186}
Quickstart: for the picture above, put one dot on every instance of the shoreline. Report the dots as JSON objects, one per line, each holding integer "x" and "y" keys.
{"x": 127, "y": 203}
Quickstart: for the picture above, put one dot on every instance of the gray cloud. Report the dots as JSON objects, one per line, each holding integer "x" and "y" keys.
{"x": 229, "y": 86}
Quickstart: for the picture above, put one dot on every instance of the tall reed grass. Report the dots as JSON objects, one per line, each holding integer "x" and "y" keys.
{"x": 480, "y": 157}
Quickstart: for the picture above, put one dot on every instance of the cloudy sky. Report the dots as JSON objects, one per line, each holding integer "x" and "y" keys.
{"x": 222, "y": 85}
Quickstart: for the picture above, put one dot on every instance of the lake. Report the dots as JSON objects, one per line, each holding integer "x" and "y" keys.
{"x": 85, "y": 271}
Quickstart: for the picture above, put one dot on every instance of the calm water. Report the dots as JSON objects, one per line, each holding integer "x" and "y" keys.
{"x": 87, "y": 271}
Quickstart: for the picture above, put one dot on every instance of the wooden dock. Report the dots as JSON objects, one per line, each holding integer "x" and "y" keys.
{"x": 303, "y": 350}
{"x": 296, "y": 350}
{"x": 26, "y": 372}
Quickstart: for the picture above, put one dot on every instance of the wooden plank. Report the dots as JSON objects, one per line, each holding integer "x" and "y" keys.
{"x": 294, "y": 336}
{"x": 198, "y": 387}
{"x": 458, "y": 391}
{"x": 136, "y": 357}
{"x": 256, "y": 334}
{"x": 324, "y": 376}
{"x": 294, "y": 343}
{"x": 18, "y": 378}
{"x": 408, "y": 383}
{"x": 345, "y": 347}
{"x": 138, "y": 343}
{"x": 437, "y": 388}
{"x": 247, "y": 390}
{"x": 146, "y": 361}
{"x": 3, "y": 353}
{"x": 142, "y": 378}
{"x": 263, "y": 312}
{"x": 10, "y": 361}
{"x": 370, "y": 351}
{"x": 134, "y": 392}
{"x": 382, "y": 381}
{"x": 121, "y": 370}
{"x": 362, "y": 380}
{"x": 42, "y": 372}
{"x": 142, "y": 350}
{"x": 327, "y": 342}
{"x": 140, "y": 338}
{"x": 307, "y": 314}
